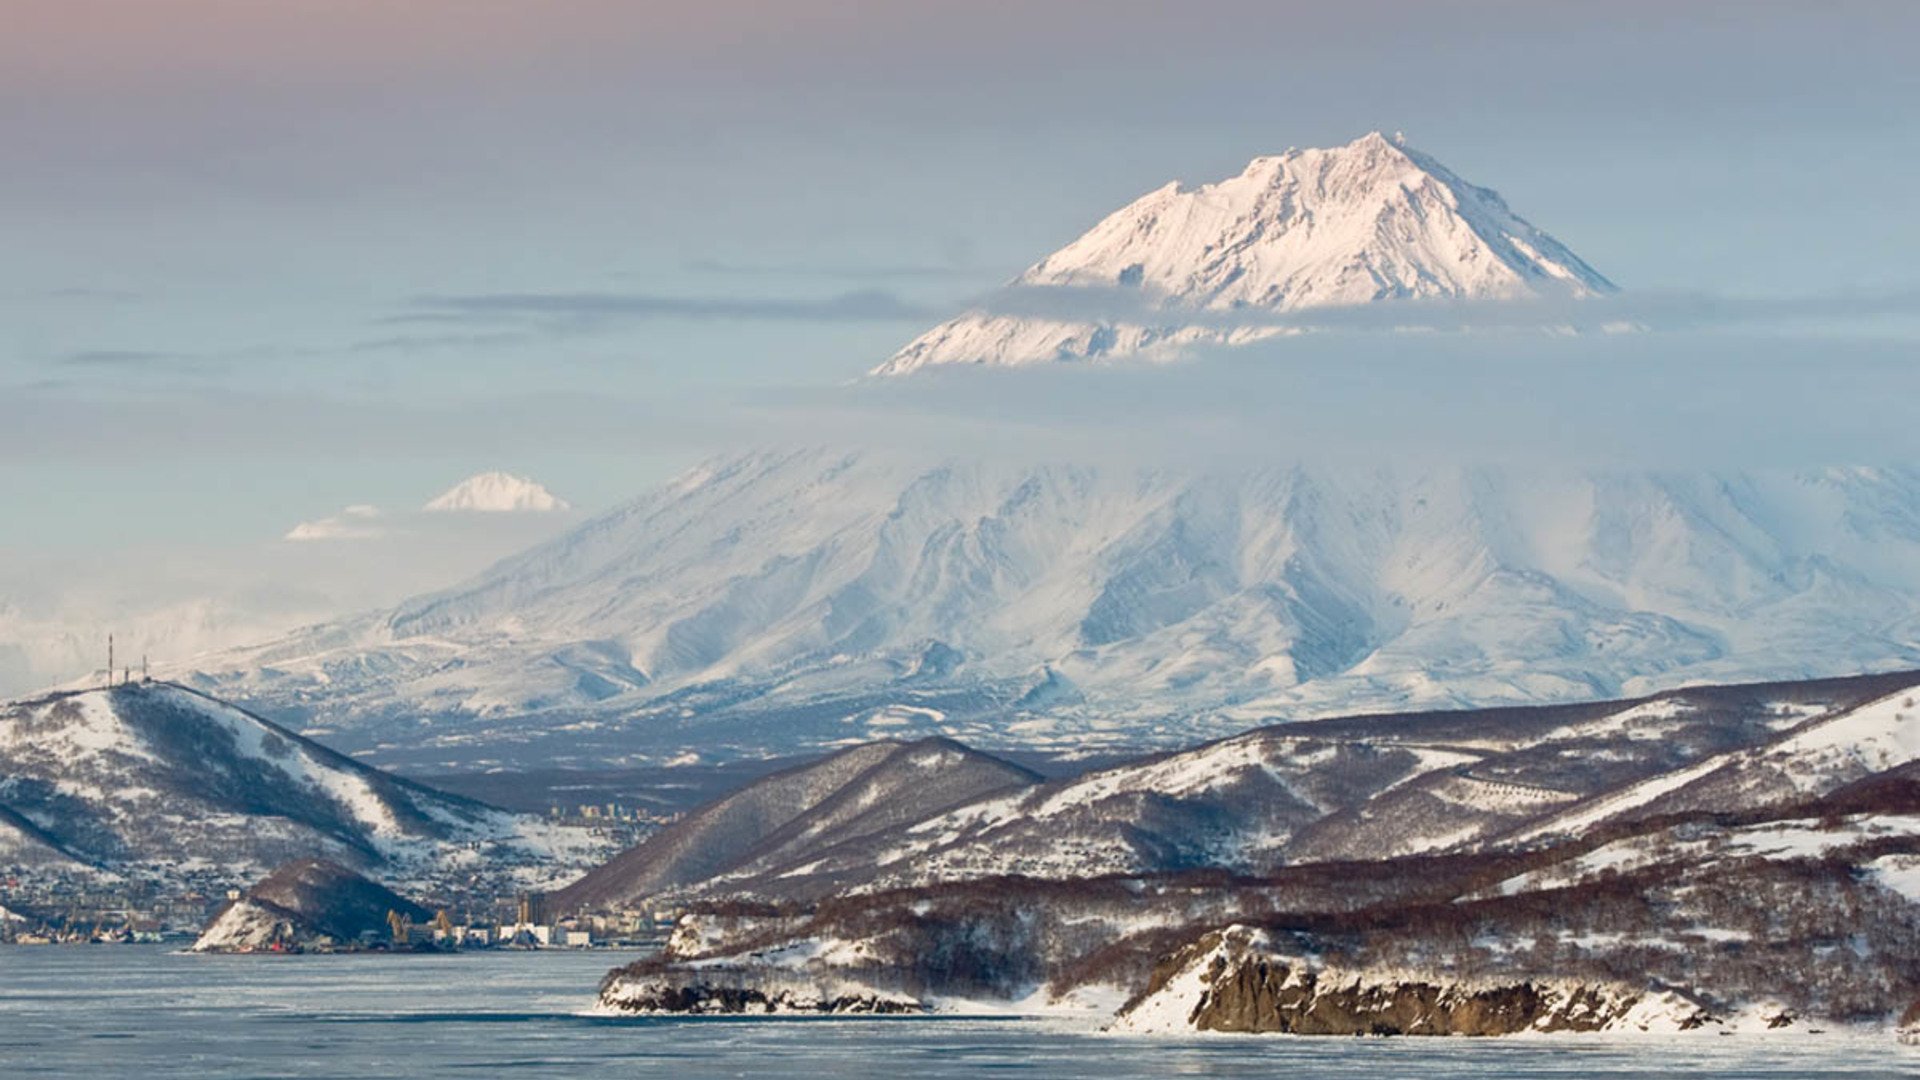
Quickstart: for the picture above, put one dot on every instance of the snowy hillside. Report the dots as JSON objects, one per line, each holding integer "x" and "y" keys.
{"x": 788, "y": 819}
{"x": 1374, "y": 220}
{"x": 1340, "y": 790}
{"x": 157, "y": 781}
{"x": 1479, "y": 872}
{"x": 779, "y": 601}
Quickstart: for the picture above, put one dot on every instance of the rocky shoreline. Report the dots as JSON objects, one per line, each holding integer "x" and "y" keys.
{"x": 734, "y": 992}
{"x": 1234, "y": 981}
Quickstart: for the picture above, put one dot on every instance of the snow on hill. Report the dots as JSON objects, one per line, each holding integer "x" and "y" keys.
{"x": 1813, "y": 760}
{"x": 1333, "y": 791}
{"x": 159, "y": 781}
{"x": 1374, "y": 220}
{"x": 497, "y": 493}
{"x": 786, "y": 819}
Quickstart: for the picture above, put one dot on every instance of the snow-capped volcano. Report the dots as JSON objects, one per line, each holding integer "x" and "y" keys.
{"x": 496, "y": 492}
{"x": 797, "y": 598}
{"x": 1374, "y": 220}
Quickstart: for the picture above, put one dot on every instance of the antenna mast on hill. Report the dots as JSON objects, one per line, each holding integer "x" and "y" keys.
{"x": 109, "y": 659}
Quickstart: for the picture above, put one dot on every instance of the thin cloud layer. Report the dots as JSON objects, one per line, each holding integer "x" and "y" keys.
{"x": 1678, "y": 399}
{"x": 530, "y": 314}
{"x": 1648, "y": 309}
{"x": 573, "y": 309}
{"x": 1666, "y": 400}
{"x": 360, "y": 521}
{"x": 118, "y": 357}
{"x": 836, "y": 272}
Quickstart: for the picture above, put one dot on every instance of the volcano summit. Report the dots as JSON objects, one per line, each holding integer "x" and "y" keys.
{"x": 1371, "y": 221}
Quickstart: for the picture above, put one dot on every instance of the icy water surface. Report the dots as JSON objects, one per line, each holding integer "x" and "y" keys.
{"x": 150, "y": 1013}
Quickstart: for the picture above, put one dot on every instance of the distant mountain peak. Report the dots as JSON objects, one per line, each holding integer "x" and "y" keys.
{"x": 496, "y": 492}
{"x": 1372, "y": 221}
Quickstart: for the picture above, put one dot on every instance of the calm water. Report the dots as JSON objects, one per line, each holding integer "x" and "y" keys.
{"x": 153, "y": 1014}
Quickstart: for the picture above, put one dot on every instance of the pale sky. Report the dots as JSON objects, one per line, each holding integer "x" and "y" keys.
{"x": 249, "y": 245}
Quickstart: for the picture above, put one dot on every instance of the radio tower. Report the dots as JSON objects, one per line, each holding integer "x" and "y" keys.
{"x": 109, "y": 660}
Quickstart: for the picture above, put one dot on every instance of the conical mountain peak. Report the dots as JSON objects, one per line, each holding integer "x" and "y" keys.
{"x": 1371, "y": 221}
{"x": 496, "y": 492}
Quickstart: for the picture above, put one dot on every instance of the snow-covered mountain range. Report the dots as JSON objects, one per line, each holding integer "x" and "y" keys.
{"x": 783, "y": 600}
{"x": 1720, "y": 859}
{"x": 1343, "y": 790}
{"x": 1371, "y": 221}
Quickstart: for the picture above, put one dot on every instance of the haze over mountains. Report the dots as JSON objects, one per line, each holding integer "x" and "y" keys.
{"x": 784, "y": 599}
{"x": 308, "y": 566}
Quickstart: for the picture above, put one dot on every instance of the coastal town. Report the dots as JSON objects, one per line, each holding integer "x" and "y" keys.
{"x": 481, "y": 909}
{"x": 81, "y": 911}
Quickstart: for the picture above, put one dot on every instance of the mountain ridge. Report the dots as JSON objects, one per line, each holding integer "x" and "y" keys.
{"x": 1342, "y": 790}
{"x": 779, "y": 819}
{"x": 1633, "y": 865}
{"x": 161, "y": 782}
{"x": 782, "y": 600}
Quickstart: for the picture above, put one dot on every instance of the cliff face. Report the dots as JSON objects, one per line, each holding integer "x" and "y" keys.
{"x": 1230, "y": 981}
{"x": 735, "y": 991}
